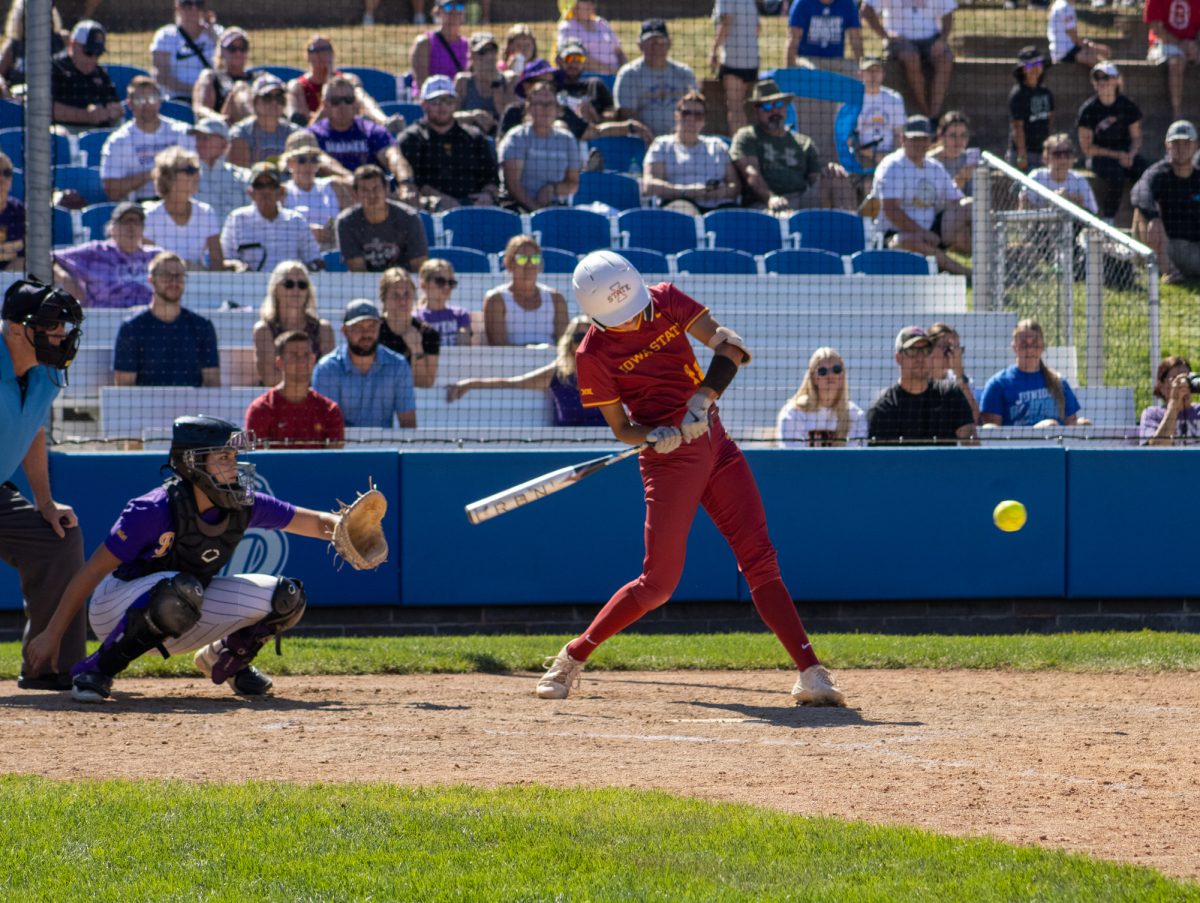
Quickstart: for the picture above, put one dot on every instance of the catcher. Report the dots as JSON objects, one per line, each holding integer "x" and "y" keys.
{"x": 153, "y": 582}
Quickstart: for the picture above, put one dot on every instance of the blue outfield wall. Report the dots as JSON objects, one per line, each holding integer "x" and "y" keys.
{"x": 849, "y": 525}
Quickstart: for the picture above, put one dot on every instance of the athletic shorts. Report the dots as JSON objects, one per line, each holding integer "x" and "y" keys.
{"x": 1160, "y": 52}
{"x": 749, "y": 76}
{"x": 923, "y": 47}
{"x": 1185, "y": 255}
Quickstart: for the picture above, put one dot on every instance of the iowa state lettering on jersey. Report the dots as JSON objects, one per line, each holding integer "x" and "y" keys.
{"x": 659, "y": 342}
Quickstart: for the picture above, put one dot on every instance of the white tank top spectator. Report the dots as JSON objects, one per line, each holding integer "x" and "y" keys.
{"x": 523, "y": 311}
{"x": 224, "y": 90}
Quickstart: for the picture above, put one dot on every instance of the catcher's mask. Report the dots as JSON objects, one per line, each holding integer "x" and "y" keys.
{"x": 193, "y": 439}
{"x": 30, "y": 302}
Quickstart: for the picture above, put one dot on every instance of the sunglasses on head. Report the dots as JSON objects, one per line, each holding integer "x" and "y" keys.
{"x": 527, "y": 259}
{"x": 836, "y": 370}
{"x": 443, "y": 281}
{"x": 340, "y": 100}
{"x": 306, "y": 158}
{"x": 188, "y": 170}
{"x": 295, "y": 283}
{"x": 773, "y": 105}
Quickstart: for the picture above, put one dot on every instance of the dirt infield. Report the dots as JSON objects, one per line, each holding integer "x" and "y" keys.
{"x": 1103, "y": 764}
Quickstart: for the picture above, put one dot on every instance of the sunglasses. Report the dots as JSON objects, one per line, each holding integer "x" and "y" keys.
{"x": 948, "y": 351}
{"x": 264, "y": 186}
{"x": 276, "y": 97}
{"x": 237, "y": 48}
{"x": 1035, "y": 64}
{"x": 131, "y": 221}
{"x": 6, "y": 173}
{"x": 295, "y": 283}
{"x": 193, "y": 4}
{"x": 692, "y": 114}
{"x": 543, "y": 103}
{"x": 91, "y": 53}
{"x": 836, "y": 370}
{"x": 306, "y": 158}
{"x": 344, "y": 99}
{"x": 527, "y": 259}
{"x": 320, "y": 48}
{"x": 1062, "y": 153}
{"x": 579, "y": 337}
{"x": 453, "y": 7}
{"x": 923, "y": 351}
{"x": 443, "y": 281}
{"x": 1099, "y": 77}
{"x": 773, "y": 105}
{"x": 574, "y": 58}
{"x": 187, "y": 170}
{"x": 145, "y": 101}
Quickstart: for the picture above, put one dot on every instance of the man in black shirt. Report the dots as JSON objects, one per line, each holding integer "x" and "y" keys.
{"x": 453, "y": 164}
{"x": 1166, "y": 204}
{"x": 83, "y": 93}
{"x": 919, "y": 410}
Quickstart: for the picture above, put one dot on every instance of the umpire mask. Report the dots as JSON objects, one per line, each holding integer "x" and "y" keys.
{"x": 193, "y": 439}
{"x": 43, "y": 308}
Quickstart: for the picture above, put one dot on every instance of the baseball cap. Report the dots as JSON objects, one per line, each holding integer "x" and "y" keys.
{"x": 360, "y": 309}
{"x": 482, "y": 39}
{"x": 267, "y": 84}
{"x": 652, "y": 27}
{"x": 210, "y": 126}
{"x": 437, "y": 86}
{"x": 89, "y": 34}
{"x": 918, "y": 126}
{"x": 127, "y": 207}
{"x": 572, "y": 47}
{"x": 265, "y": 168}
{"x": 910, "y": 337}
{"x": 868, "y": 62}
{"x": 231, "y": 34}
{"x": 1181, "y": 130}
{"x": 1106, "y": 68}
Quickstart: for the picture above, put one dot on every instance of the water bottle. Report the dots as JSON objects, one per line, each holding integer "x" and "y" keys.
{"x": 518, "y": 64}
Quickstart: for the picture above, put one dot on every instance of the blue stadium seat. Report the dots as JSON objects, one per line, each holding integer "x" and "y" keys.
{"x": 12, "y": 143}
{"x": 555, "y": 260}
{"x": 427, "y": 222}
{"x": 83, "y": 179}
{"x": 804, "y": 262}
{"x": 181, "y": 112}
{"x": 622, "y": 153}
{"x": 839, "y": 231}
{"x": 656, "y": 229}
{"x": 18, "y": 184}
{"x": 464, "y": 260}
{"x": 95, "y": 218}
{"x": 333, "y": 261}
{"x": 646, "y": 261}
{"x": 283, "y": 73}
{"x": 410, "y": 111}
{"x": 751, "y": 231}
{"x": 91, "y": 144}
{"x": 890, "y": 263}
{"x": 577, "y": 231}
{"x": 63, "y": 228}
{"x": 121, "y": 75}
{"x": 12, "y": 115}
{"x": 717, "y": 261}
{"x": 379, "y": 84}
{"x": 486, "y": 229}
{"x": 618, "y": 190}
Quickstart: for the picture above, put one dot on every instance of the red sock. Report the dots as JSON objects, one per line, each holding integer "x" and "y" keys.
{"x": 775, "y": 607}
{"x": 621, "y": 611}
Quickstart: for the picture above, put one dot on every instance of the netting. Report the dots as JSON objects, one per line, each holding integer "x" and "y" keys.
{"x": 238, "y": 146}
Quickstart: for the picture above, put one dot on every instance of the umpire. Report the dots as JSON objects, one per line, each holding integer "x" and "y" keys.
{"x": 42, "y": 540}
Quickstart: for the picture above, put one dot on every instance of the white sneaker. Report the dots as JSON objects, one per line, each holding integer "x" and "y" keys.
{"x": 816, "y": 686}
{"x": 206, "y": 657}
{"x": 562, "y": 675}
{"x": 368, "y": 20}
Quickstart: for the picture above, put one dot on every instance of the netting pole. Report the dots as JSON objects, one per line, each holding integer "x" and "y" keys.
{"x": 1095, "y": 308}
{"x": 1153, "y": 313}
{"x": 1066, "y": 262}
{"x": 39, "y": 223}
{"x": 981, "y": 238}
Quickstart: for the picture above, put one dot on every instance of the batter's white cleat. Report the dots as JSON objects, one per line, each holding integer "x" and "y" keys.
{"x": 562, "y": 675}
{"x": 816, "y": 686}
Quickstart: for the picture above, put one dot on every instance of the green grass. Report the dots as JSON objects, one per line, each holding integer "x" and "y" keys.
{"x": 1096, "y": 652}
{"x": 100, "y": 841}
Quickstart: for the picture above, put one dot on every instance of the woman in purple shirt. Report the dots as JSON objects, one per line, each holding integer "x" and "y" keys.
{"x": 153, "y": 582}
{"x": 443, "y": 51}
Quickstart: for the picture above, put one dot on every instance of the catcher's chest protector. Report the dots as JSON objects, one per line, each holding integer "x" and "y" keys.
{"x": 199, "y": 548}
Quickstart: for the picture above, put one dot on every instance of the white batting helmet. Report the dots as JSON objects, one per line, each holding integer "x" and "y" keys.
{"x": 609, "y": 289}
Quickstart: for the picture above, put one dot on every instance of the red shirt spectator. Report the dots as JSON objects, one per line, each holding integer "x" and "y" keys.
{"x": 292, "y": 414}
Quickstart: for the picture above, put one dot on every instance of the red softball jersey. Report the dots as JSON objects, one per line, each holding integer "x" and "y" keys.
{"x": 652, "y": 370}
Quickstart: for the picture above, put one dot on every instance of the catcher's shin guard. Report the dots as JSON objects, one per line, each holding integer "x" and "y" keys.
{"x": 172, "y": 608}
{"x": 287, "y": 608}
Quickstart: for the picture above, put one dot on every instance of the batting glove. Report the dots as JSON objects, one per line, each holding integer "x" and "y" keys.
{"x": 665, "y": 439}
{"x": 695, "y": 421}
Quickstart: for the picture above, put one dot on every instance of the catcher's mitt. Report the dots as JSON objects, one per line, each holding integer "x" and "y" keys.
{"x": 358, "y": 537}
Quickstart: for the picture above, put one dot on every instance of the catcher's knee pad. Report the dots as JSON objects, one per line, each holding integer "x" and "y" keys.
{"x": 172, "y": 608}
{"x": 288, "y": 603}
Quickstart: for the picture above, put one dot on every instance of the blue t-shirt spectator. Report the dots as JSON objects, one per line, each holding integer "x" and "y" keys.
{"x": 374, "y": 398}
{"x": 166, "y": 354}
{"x": 1021, "y": 398}
{"x": 824, "y": 26}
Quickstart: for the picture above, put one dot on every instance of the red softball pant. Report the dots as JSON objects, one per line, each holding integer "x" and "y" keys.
{"x": 709, "y": 471}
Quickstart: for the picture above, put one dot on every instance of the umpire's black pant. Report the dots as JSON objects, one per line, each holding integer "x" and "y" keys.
{"x": 46, "y": 565}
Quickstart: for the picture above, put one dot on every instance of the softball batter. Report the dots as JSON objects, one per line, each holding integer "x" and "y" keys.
{"x": 153, "y": 581}
{"x": 637, "y": 358}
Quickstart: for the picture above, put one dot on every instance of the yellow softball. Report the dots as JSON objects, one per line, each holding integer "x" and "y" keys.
{"x": 1009, "y": 516}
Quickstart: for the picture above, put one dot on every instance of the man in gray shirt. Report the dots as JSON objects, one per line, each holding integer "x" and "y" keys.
{"x": 222, "y": 185}
{"x": 377, "y": 233}
{"x": 648, "y": 88}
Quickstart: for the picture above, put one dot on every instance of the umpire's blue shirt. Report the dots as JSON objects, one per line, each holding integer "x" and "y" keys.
{"x": 373, "y": 398}
{"x": 20, "y": 419}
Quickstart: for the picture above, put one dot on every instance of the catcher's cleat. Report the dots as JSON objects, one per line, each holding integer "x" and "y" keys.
{"x": 91, "y": 686}
{"x": 247, "y": 682}
{"x": 562, "y": 675}
{"x": 51, "y": 681}
{"x": 816, "y": 686}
